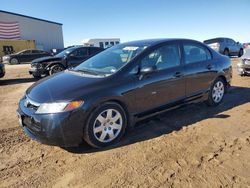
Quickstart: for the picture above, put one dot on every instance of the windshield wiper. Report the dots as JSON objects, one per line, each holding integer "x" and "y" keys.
{"x": 86, "y": 71}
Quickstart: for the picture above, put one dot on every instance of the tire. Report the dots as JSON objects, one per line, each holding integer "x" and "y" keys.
{"x": 226, "y": 52}
{"x": 56, "y": 68}
{"x": 101, "y": 130}
{"x": 36, "y": 76}
{"x": 216, "y": 93}
{"x": 241, "y": 52}
{"x": 14, "y": 61}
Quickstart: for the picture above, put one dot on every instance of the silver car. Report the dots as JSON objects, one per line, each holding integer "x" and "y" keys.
{"x": 243, "y": 66}
{"x": 225, "y": 46}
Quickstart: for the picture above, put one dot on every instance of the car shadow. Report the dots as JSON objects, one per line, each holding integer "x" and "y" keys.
{"x": 175, "y": 120}
{"x": 17, "y": 81}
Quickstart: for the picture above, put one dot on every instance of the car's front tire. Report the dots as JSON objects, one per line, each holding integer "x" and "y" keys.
{"x": 217, "y": 92}
{"x": 56, "y": 68}
{"x": 106, "y": 125}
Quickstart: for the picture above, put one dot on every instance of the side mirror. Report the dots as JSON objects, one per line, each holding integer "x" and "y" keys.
{"x": 147, "y": 70}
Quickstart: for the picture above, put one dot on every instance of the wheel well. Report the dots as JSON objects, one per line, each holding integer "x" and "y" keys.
{"x": 52, "y": 64}
{"x": 224, "y": 79}
{"x": 226, "y": 49}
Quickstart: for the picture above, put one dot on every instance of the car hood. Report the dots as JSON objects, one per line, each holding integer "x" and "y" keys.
{"x": 46, "y": 59}
{"x": 64, "y": 86}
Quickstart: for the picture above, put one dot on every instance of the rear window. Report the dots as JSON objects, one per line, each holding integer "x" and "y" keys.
{"x": 213, "y": 41}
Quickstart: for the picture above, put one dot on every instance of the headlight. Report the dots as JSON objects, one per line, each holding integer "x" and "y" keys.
{"x": 6, "y": 57}
{"x": 47, "y": 108}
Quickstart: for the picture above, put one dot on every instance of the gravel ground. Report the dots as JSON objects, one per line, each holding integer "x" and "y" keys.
{"x": 195, "y": 146}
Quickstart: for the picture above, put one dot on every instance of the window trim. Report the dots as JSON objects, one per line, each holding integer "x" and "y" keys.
{"x": 194, "y": 44}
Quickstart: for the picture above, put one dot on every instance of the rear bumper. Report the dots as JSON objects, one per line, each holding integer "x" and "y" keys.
{"x": 60, "y": 129}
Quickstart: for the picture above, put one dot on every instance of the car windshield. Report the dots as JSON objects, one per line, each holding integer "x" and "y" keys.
{"x": 110, "y": 60}
{"x": 64, "y": 52}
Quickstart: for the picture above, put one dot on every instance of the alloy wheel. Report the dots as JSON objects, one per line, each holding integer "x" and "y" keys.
{"x": 218, "y": 91}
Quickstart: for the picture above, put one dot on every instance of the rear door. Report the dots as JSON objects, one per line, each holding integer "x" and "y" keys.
{"x": 24, "y": 56}
{"x": 199, "y": 68}
{"x": 166, "y": 84}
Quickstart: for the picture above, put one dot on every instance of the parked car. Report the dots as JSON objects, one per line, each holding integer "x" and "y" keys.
{"x": 68, "y": 58}
{"x": 2, "y": 70}
{"x": 24, "y": 56}
{"x": 99, "y": 99}
{"x": 243, "y": 66}
{"x": 226, "y": 46}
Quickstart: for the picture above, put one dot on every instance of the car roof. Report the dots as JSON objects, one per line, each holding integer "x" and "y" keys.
{"x": 152, "y": 42}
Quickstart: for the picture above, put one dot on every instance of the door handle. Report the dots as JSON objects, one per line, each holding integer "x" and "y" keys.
{"x": 178, "y": 74}
{"x": 209, "y": 67}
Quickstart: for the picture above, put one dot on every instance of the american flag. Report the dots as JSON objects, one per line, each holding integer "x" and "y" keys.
{"x": 9, "y": 31}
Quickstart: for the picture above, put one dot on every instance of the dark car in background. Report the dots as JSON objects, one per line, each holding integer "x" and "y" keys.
{"x": 225, "y": 46}
{"x": 24, "y": 56}
{"x": 99, "y": 99}
{"x": 2, "y": 70}
{"x": 68, "y": 58}
{"x": 243, "y": 67}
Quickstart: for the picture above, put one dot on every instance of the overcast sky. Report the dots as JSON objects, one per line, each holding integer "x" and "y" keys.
{"x": 141, "y": 19}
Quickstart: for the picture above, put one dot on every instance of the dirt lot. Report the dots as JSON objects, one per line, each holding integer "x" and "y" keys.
{"x": 194, "y": 146}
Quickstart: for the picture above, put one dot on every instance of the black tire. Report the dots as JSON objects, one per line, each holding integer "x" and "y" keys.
{"x": 14, "y": 61}
{"x": 92, "y": 138}
{"x": 56, "y": 68}
{"x": 241, "y": 52}
{"x": 36, "y": 76}
{"x": 226, "y": 52}
{"x": 211, "y": 101}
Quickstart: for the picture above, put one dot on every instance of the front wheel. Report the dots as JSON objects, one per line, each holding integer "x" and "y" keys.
{"x": 56, "y": 68}
{"x": 216, "y": 92}
{"x": 106, "y": 125}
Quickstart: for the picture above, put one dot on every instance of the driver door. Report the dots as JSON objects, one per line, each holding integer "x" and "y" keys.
{"x": 78, "y": 56}
{"x": 166, "y": 84}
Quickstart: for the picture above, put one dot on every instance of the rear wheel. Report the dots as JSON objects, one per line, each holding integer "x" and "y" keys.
{"x": 56, "y": 68}
{"x": 216, "y": 92}
{"x": 14, "y": 61}
{"x": 106, "y": 125}
{"x": 240, "y": 53}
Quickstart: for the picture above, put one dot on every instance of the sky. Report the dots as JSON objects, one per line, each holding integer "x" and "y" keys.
{"x": 140, "y": 19}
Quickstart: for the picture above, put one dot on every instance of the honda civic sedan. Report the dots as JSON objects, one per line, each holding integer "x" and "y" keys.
{"x": 99, "y": 99}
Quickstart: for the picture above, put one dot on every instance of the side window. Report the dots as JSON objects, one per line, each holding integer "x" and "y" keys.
{"x": 94, "y": 50}
{"x": 112, "y": 43}
{"x": 80, "y": 52}
{"x": 26, "y": 52}
{"x": 35, "y": 51}
{"x": 117, "y": 42}
{"x": 196, "y": 53}
{"x": 162, "y": 58}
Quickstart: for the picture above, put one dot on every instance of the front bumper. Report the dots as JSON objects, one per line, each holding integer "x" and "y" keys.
{"x": 243, "y": 69}
{"x": 61, "y": 129}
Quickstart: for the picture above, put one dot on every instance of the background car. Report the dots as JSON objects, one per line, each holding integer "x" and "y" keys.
{"x": 68, "y": 58}
{"x": 2, "y": 70}
{"x": 98, "y": 99}
{"x": 243, "y": 67}
{"x": 226, "y": 46}
{"x": 24, "y": 56}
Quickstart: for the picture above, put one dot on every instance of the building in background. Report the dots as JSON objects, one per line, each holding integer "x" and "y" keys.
{"x": 46, "y": 34}
{"x": 101, "y": 42}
